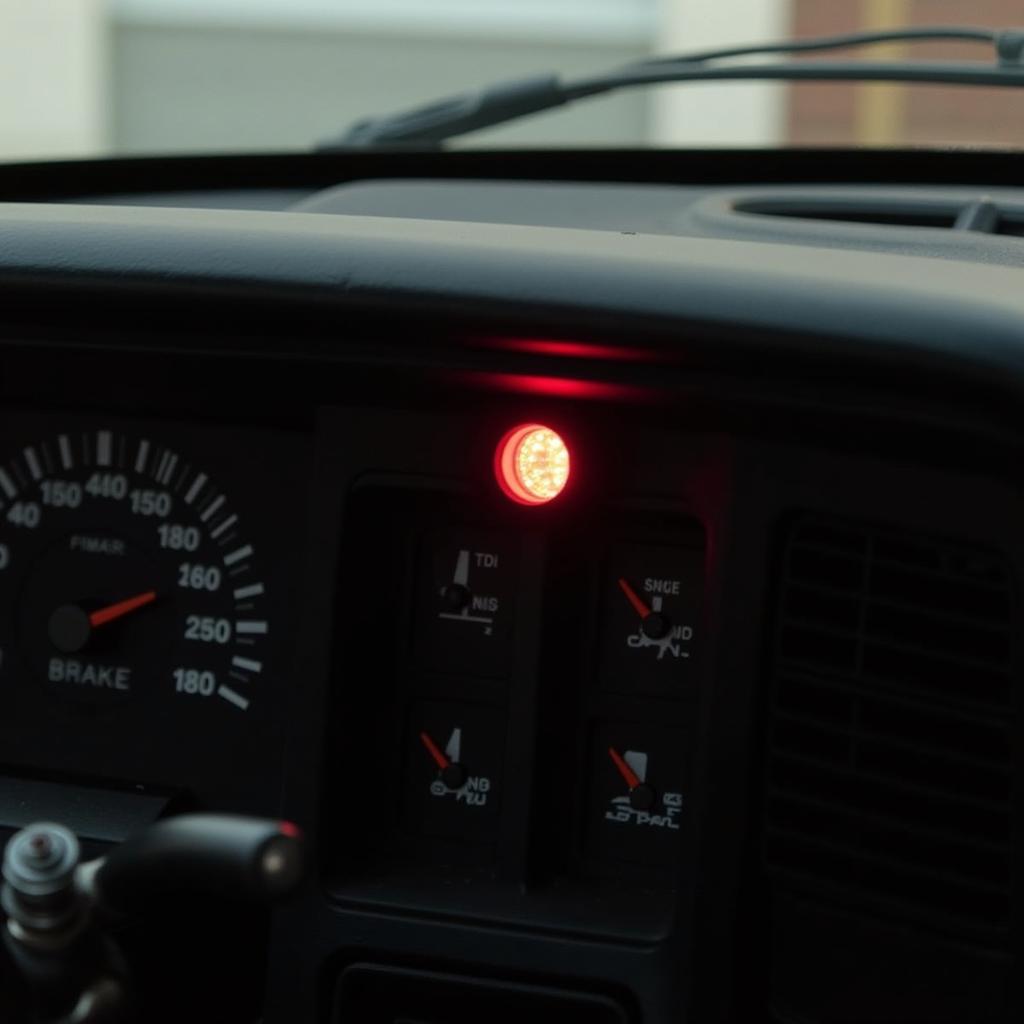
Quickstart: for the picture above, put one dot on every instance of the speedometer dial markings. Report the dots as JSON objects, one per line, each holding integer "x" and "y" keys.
{"x": 7, "y": 485}
{"x": 197, "y": 485}
{"x": 142, "y": 456}
{"x": 67, "y": 460}
{"x": 250, "y": 626}
{"x": 233, "y": 697}
{"x": 125, "y": 570}
{"x": 211, "y": 510}
{"x": 32, "y": 461}
{"x": 238, "y": 554}
{"x": 104, "y": 448}
{"x": 166, "y": 468}
{"x": 224, "y": 526}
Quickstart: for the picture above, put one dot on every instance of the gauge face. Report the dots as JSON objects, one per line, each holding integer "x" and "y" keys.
{"x": 651, "y": 598}
{"x": 465, "y": 602}
{"x": 126, "y": 570}
{"x": 453, "y": 767}
{"x": 637, "y": 793}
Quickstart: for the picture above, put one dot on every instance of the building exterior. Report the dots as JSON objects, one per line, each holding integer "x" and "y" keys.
{"x": 80, "y": 77}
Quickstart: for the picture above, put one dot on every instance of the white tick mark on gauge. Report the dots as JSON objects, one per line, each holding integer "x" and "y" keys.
{"x": 8, "y": 486}
{"x": 253, "y": 590}
{"x": 166, "y": 470}
{"x": 247, "y": 664}
{"x": 197, "y": 485}
{"x": 104, "y": 447}
{"x": 224, "y": 526}
{"x": 238, "y": 554}
{"x": 32, "y": 461}
{"x": 66, "y": 458}
{"x": 212, "y": 509}
{"x": 232, "y": 697}
{"x": 250, "y": 626}
{"x": 142, "y": 458}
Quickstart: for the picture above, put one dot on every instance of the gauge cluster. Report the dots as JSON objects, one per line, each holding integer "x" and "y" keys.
{"x": 515, "y": 696}
{"x": 481, "y": 707}
{"x": 145, "y": 570}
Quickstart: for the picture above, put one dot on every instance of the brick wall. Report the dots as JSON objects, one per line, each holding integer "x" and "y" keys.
{"x": 905, "y": 115}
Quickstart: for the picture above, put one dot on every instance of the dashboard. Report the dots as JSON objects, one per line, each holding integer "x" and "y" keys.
{"x": 722, "y": 727}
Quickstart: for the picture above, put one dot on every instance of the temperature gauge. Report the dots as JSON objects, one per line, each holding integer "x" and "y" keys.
{"x": 637, "y": 793}
{"x": 454, "y": 755}
{"x": 651, "y": 599}
{"x": 464, "y": 602}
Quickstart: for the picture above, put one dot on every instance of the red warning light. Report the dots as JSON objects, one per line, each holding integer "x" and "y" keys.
{"x": 532, "y": 464}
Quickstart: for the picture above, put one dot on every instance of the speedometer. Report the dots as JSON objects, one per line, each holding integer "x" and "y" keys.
{"x": 127, "y": 569}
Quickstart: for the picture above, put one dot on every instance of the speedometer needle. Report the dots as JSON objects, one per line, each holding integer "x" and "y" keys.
{"x": 111, "y": 612}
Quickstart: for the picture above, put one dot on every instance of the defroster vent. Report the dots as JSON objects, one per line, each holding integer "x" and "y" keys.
{"x": 889, "y": 761}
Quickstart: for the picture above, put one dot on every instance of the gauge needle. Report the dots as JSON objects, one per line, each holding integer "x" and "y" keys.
{"x": 435, "y": 752}
{"x": 631, "y": 778}
{"x": 111, "y": 612}
{"x": 634, "y": 598}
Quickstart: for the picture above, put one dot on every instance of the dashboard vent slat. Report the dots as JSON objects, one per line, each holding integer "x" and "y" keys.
{"x": 889, "y": 782}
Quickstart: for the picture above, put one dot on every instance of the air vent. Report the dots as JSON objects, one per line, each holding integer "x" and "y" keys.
{"x": 983, "y": 215}
{"x": 889, "y": 761}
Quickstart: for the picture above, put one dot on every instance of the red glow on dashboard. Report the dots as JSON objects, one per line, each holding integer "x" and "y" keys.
{"x": 556, "y": 387}
{"x": 570, "y": 349}
{"x": 532, "y": 464}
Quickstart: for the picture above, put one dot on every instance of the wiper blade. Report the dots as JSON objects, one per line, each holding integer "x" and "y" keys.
{"x": 497, "y": 104}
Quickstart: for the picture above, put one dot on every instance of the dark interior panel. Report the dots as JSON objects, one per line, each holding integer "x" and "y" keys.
{"x": 725, "y": 731}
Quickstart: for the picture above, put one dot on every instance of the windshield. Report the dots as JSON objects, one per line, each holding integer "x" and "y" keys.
{"x": 89, "y": 77}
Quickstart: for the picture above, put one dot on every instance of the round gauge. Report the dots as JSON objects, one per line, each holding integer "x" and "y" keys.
{"x": 126, "y": 570}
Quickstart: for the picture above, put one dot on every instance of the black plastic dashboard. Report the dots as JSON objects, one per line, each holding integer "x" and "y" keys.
{"x": 281, "y": 422}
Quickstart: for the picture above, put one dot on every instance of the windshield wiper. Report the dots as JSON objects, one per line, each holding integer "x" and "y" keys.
{"x": 496, "y": 104}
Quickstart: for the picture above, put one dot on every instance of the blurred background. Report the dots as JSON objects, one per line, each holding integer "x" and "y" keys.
{"x": 81, "y": 77}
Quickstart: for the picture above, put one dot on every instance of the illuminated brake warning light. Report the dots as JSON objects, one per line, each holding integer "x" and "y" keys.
{"x": 532, "y": 464}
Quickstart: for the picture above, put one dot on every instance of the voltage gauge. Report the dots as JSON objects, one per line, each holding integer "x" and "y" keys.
{"x": 637, "y": 793}
{"x": 651, "y": 598}
{"x": 126, "y": 573}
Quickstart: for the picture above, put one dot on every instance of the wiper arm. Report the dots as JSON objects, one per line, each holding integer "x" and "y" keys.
{"x": 497, "y": 104}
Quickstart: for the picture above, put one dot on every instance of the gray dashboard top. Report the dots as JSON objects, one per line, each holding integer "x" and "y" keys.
{"x": 967, "y": 315}
{"x": 913, "y": 220}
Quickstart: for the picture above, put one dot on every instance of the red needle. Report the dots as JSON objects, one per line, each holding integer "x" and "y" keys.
{"x": 630, "y": 776}
{"x": 634, "y": 599}
{"x": 434, "y": 751}
{"x": 102, "y": 616}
